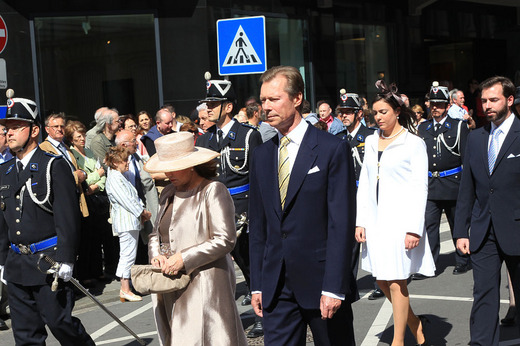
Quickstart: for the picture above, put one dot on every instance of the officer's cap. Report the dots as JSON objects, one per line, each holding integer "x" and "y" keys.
{"x": 439, "y": 93}
{"x": 218, "y": 90}
{"x": 349, "y": 100}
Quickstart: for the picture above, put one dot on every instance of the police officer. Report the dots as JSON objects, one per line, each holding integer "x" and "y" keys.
{"x": 445, "y": 140}
{"x": 39, "y": 214}
{"x": 235, "y": 141}
{"x": 350, "y": 111}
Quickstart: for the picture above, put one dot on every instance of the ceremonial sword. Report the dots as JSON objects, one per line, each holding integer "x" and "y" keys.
{"x": 55, "y": 266}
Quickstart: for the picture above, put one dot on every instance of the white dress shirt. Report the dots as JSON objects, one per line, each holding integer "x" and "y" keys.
{"x": 504, "y": 127}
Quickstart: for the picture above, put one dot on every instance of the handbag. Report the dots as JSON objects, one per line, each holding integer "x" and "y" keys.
{"x": 148, "y": 279}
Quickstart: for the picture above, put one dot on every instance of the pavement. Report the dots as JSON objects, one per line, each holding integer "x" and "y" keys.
{"x": 445, "y": 299}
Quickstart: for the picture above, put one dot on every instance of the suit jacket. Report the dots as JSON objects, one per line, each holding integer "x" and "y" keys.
{"x": 486, "y": 199}
{"x": 28, "y": 223}
{"x": 235, "y": 141}
{"x": 48, "y": 147}
{"x": 151, "y": 198}
{"x": 441, "y": 159}
{"x": 316, "y": 246}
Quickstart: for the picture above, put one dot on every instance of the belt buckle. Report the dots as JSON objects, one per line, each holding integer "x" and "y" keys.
{"x": 25, "y": 250}
{"x": 435, "y": 174}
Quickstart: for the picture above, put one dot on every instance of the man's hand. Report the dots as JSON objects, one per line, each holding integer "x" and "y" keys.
{"x": 411, "y": 241}
{"x": 463, "y": 245}
{"x": 256, "y": 303}
{"x": 329, "y": 306}
{"x": 81, "y": 175}
{"x": 65, "y": 271}
{"x": 360, "y": 234}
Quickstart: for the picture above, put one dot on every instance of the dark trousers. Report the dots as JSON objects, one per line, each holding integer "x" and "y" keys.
{"x": 285, "y": 321}
{"x": 90, "y": 259}
{"x": 241, "y": 255}
{"x": 434, "y": 209}
{"x": 33, "y": 307}
{"x": 487, "y": 263}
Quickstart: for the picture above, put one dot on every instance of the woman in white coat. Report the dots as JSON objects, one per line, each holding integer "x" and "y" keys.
{"x": 127, "y": 216}
{"x": 391, "y": 203}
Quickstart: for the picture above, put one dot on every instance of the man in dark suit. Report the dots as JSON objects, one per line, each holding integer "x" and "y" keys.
{"x": 445, "y": 140}
{"x": 301, "y": 261}
{"x": 489, "y": 204}
{"x": 39, "y": 214}
{"x": 235, "y": 142}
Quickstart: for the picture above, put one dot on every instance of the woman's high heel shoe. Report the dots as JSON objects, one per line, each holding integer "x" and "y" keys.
{"x": 424, "y": 321}
{"x": 123, "y": 297}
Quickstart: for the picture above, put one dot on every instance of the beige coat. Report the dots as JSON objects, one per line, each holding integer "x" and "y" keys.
{"x": 203, "y": 229}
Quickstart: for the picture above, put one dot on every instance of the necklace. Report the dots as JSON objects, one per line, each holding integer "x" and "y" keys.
{"x": 390, "y": 137}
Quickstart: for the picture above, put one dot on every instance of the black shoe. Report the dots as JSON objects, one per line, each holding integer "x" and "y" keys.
{"x": 257, "y": 330}
{"x": 246, "y": 300}
{"x": 418, "y": 276}
{"x": 509, "y": 320}
{"x": 376, "y": 294}
{"x": 460, "y": 269}
{"x": 424, "y": 322}
{"x": 3, "y": 325}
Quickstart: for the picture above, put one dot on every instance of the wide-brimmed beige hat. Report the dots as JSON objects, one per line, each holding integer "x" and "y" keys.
{"x": 176, "y": 152}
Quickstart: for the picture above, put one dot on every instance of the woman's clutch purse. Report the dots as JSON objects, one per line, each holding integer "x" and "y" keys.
{"x": 148, "y": 279}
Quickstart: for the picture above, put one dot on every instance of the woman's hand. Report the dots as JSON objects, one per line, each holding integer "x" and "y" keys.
{"x": 411, "y": 240}
{"x": 101, "y": 172}
{"x": 92, "y": 189}
{"x": 360, "y": 235}
{"x": 173, "y": 264}
{"x": 158, "y": 261}
{"x": 145, "y": 216}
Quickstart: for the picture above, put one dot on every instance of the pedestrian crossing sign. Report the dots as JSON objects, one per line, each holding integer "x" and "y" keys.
{"x": 241, "y": 45}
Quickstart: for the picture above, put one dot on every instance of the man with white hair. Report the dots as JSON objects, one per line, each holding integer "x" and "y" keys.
{"x": 92, "y": 132}
{"x": 106, "y": 128}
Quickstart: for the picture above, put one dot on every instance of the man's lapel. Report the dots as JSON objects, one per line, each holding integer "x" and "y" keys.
{"x": 212, "y": 141}
{"x": 485, "y": 130}
{"x": 232, "y": 134}
{"x": 304, "y": 161}
{"x": 511, "y": 137}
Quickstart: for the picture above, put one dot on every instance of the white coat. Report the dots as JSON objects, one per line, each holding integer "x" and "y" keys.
{"x": 396, "y": 209}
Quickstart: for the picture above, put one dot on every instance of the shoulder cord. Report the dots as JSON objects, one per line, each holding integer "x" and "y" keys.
{"x": 357, "y": 158}
{"x": 440, "y": 139}
{"x": 225, "y": 155}
{"x": 31, "y": 194}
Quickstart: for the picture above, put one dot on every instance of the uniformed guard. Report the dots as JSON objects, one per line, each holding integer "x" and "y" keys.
{"x": 445, "y": 140}
{"x": 235, "y": 142}
{"x": 350, "y": 109}
{"x": 39, "y": 214}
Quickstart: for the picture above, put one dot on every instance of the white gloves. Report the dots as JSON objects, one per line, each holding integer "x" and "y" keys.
{"x": 2, "y": 275}
{"x": 65, "y": 272}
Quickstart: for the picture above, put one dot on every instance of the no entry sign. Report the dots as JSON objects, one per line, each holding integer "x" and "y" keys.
{"x": 3, "y": 34}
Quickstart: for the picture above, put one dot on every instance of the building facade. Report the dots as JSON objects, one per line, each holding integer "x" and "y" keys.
{"x": 75, "y": 56}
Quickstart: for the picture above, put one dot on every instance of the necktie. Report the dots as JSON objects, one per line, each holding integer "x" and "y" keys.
{"x": 19, "y": 165}
{"x": 493, "y": 149}
{"x": 437, "y": 127}
{"x": 283, "y": 169}
{"x": 138, "y": 185}
{"x": 219, "y": 138}
{"x": 349, "y": 138}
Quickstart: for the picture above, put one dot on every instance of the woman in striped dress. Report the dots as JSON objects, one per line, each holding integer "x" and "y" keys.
{"x": 128, "y": 215}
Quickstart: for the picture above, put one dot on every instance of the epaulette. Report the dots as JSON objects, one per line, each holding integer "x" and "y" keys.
{"x": 3, "y": 163}
{"x": 249, "y": 125}
{"x": 52, "y": 155}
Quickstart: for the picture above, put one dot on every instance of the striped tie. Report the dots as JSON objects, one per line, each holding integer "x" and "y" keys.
{"x": 493, "y": 149}
{"x": 284, "y": 170}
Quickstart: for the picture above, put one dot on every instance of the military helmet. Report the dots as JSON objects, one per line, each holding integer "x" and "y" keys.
{"x": 439, "y": 93}
{"x": 349, "y": 100}
{"x": 19, "y": 109}
{"x": 218, "y": 90}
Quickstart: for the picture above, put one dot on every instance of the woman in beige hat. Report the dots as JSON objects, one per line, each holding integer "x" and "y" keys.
{"x": 194, "y": 233}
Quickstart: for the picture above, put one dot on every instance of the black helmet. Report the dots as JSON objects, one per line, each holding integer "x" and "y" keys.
{"x": 20, "y": 109}
{"x": 349, "y": 100}
{"x": 218, "y": 90}
{"x": 439, "y": 93}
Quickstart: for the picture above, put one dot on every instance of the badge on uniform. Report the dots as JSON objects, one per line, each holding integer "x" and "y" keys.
{"x": 33, "y": 167}
{"x": 447, "y": 125}
{"x": 9, "y": 169}
{"x": 4, "y": 187}
{"x": 360, "y": 138}
{"x": 429, "y": 127}
{"x": 232, "y": 135}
